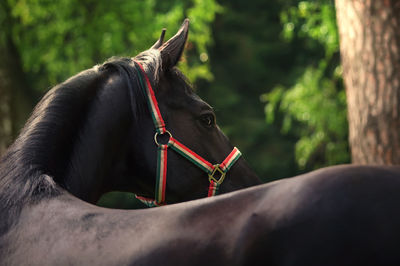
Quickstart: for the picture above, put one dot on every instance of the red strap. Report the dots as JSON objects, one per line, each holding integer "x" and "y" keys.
{"x": 212, "y": 188}
{"x": 153, "y": 104}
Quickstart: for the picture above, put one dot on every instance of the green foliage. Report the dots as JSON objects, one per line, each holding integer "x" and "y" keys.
{"x": 202, "y": 15}
{"x": 314, "y": 108}
{"x": 319, "y": 111}
{"x": 249, "y": 58}
{"x": 57, "y": 39}
{"x": 312, "y": 19}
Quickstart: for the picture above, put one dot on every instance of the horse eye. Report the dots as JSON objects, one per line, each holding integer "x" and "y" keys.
{"x": 207, "y": 120}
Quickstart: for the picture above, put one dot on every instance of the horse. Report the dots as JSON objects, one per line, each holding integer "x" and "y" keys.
{"x": 94, "y": 133}
{"x": 342, "y": 215}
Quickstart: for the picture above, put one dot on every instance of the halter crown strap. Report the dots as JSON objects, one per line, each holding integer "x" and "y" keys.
{"x": 216, "y": 173}
{"x": 151, "y": 100}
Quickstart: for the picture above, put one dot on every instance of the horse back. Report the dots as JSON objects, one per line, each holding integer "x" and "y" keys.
{"x": 346, "y": 215}
{"x": 343, "y": 215}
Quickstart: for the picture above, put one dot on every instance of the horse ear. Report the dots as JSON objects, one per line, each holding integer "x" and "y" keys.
{"x": 160, "y": 41}
{"x": 172, "y": 50}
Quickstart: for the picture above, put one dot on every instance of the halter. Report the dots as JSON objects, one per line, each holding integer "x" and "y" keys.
{"x": 216, "y": 173}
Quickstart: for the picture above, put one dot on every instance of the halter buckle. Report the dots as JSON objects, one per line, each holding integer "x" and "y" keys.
{"x": 217, "y": 170}
{"x": 158, "y": 134}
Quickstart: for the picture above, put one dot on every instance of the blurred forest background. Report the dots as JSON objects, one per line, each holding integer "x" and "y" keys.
{"x": 271, "y": 69}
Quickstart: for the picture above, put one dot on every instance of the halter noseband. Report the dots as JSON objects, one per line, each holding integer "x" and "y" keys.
{"x": 216, "y": 173}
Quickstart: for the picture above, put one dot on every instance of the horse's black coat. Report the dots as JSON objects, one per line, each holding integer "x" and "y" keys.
{"x": 39, "y": 158}
{"x": 92, "y": 134}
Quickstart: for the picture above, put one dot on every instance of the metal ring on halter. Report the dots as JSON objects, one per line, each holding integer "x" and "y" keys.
{"x": 211, "y": 177}
{"x": 166, "y": 132}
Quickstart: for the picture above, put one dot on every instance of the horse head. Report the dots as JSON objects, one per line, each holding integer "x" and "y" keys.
{"x": 188, "y": 119}
{"x": 95, "y": 133}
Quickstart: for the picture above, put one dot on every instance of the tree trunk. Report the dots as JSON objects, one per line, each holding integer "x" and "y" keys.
{"x": 5, "y": 121}
{"x": 15, "y": 100}
{"x": 16, "y": 96}
{"x": 369, "y": 45}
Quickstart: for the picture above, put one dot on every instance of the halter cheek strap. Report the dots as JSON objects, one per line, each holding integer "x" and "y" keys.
{"x": 216, "y": 173}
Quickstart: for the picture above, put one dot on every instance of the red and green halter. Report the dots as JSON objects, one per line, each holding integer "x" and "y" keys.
{"x": 216, "y": 173}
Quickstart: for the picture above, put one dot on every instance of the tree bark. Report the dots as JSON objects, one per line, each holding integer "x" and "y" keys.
{"x": 369, "y": 45}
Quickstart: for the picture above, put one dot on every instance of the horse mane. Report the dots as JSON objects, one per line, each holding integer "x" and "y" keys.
{"x": 34, "y": 165}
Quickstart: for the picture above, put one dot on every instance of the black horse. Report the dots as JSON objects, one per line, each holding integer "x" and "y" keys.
{"x": 88, "y": 136}
{"x": 93, "y": 134}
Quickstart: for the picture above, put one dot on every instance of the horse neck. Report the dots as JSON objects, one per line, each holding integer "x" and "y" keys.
{"x": 68, "y": 133}
{"x": 101, "y": 143}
